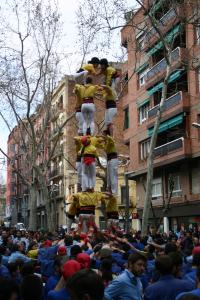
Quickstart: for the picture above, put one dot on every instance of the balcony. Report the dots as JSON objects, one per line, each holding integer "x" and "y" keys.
{"x": 58, "y": 172}
{"x": 157, "y": 72}
{"x": 179, "y": 101}
{"x": 171, "y": 18}
{"x": 58, "y": 193}
{"x": 172, "y": 151}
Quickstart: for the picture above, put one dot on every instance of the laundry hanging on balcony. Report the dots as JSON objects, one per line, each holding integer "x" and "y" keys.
{"x": 159, "y": 86}
{"x": 168, "y": 38}
{"x": 167, "y": 124}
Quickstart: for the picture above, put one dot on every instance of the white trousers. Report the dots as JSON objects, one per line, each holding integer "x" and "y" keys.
{"x": 114, "y": 85}
{"x": 79, "y": 171}
{"x": 84, "y": 220}
{"x": 69, "y": 224}
{"x": 79, "y": 119}
{"x": 88, "y": 176}
{"x": 80, "y": 77}
{"x": 112, "y": 175}
{"x": 110, "y": 113}
{"x": 88, "y": 110}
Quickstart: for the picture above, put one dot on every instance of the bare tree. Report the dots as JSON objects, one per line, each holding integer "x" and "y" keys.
{"x": 29, "y": 68}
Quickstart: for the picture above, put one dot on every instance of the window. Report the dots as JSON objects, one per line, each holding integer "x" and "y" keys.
{"x": 144, "y": 149}
{"x": 140, "y": 42}
{"x": 143, "y": 113}
{"x": 174, "y": 185}
{"x": 126, "y": 118}
{"x": 198, "y": 34}
{"x": 142, "y": 77}
{"x": 157, "y": 187}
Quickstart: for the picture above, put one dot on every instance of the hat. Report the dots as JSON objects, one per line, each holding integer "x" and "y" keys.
{"x": 84, "y": 260}
{"x": 196, "y": 250}
{"x": 85, "y": 141}
{"x": 94, "y": 61}
{"x": 104, "y": 62}
{"x": 47, "y": 243}
{"x": 83, "y": 236}
{"x": 70, "y": 268}
{"x": 62, "y": 250}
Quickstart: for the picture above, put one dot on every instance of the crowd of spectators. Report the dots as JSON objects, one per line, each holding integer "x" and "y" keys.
{"x": 99, "y": 265}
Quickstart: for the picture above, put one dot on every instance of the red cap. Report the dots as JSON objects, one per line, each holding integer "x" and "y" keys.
{"x": 85, "y": 141}
{"x": 196, "y": 250}
{"x": 47, "y": 243}
{"x": 70, "y": 268}
{"x": 83, "y": 236}
{"x": 84, "y": 260}
{"x": 62, "y": 250}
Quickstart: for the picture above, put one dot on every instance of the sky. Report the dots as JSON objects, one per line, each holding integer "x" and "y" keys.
{"x": 68, "y": 11}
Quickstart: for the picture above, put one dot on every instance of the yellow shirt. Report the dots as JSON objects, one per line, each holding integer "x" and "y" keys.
{"x": 79, "y": 91}
{"x": 90, "y": 68}
{"x": 111, "y": 204}
{"x": 33, "y": 253}
{"x": 110, "y": 146}
{"x": 78, "y": 143}
{"x": 98, "y": 142}
{"x": 108, "y": 94}
{"x": 110, "y": 71}
{"x": 90, "y": 149}
{"x": 88, "y": 198}
{"x": 90, "y": 90}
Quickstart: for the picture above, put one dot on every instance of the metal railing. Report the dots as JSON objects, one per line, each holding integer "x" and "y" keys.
{"x": 162, "y": 64}
{"x": 169, "y": 102}
{"x": 168, "y": 147}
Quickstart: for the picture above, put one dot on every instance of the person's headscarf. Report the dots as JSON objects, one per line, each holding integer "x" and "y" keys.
{"x": 84, "y": 260}
{"x": 70, "y": 268}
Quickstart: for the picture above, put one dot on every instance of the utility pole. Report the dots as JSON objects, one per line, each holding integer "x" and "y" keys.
{"x": 127, "y": 202}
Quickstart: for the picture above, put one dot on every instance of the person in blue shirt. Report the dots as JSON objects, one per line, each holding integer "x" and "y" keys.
{"x": 128, "y": 285}
{"x": 4, "y": 272}
{"x": 167, "y": 287}
{"x": 17, "y": 255}
{"x": 193, "y": 292}
{"x": 191, "y": 274}
{"x": 53, "y": 280}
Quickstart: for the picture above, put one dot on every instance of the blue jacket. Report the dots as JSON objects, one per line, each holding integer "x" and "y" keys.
{"x": 191, "y": 276}
{"x": 167, "y": 288}
{"x": 51, "y": 284}
{"x": 58, "y": 295}
{"x": 125, "y": 287}
{"x": 194, "y": 292}
{"x": 18, "y": 255}
{"x": 4, "y": 272}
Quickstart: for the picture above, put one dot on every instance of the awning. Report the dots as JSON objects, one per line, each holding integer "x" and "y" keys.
{"x": 168, "y": 38}
{"x": 143, "y": 102}
{"x": 167, "y": 124}
{"x": 159, "y": 86}
{"x": 142, "y": 67}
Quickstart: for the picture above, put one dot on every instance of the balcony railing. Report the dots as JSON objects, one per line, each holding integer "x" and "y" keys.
{"x": 57, "y": 193}
{"x": 169, "y": 147}
{"x": 162, "y": 23}
{"x": 170, "y": 102}
{"x": 162, "y": 65}
{"x": 56, "y": 172}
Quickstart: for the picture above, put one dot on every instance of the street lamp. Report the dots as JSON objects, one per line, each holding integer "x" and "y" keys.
{"x": 196, "y": 125}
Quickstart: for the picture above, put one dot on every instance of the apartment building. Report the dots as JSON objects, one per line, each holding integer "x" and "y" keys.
{"x": 176, "y": 183}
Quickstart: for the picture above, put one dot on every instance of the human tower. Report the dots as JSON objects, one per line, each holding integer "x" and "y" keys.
{"x": 83, "y": 203}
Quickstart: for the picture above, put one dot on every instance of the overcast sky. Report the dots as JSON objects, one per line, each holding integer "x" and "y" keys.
{"x": 68, "y": 9}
